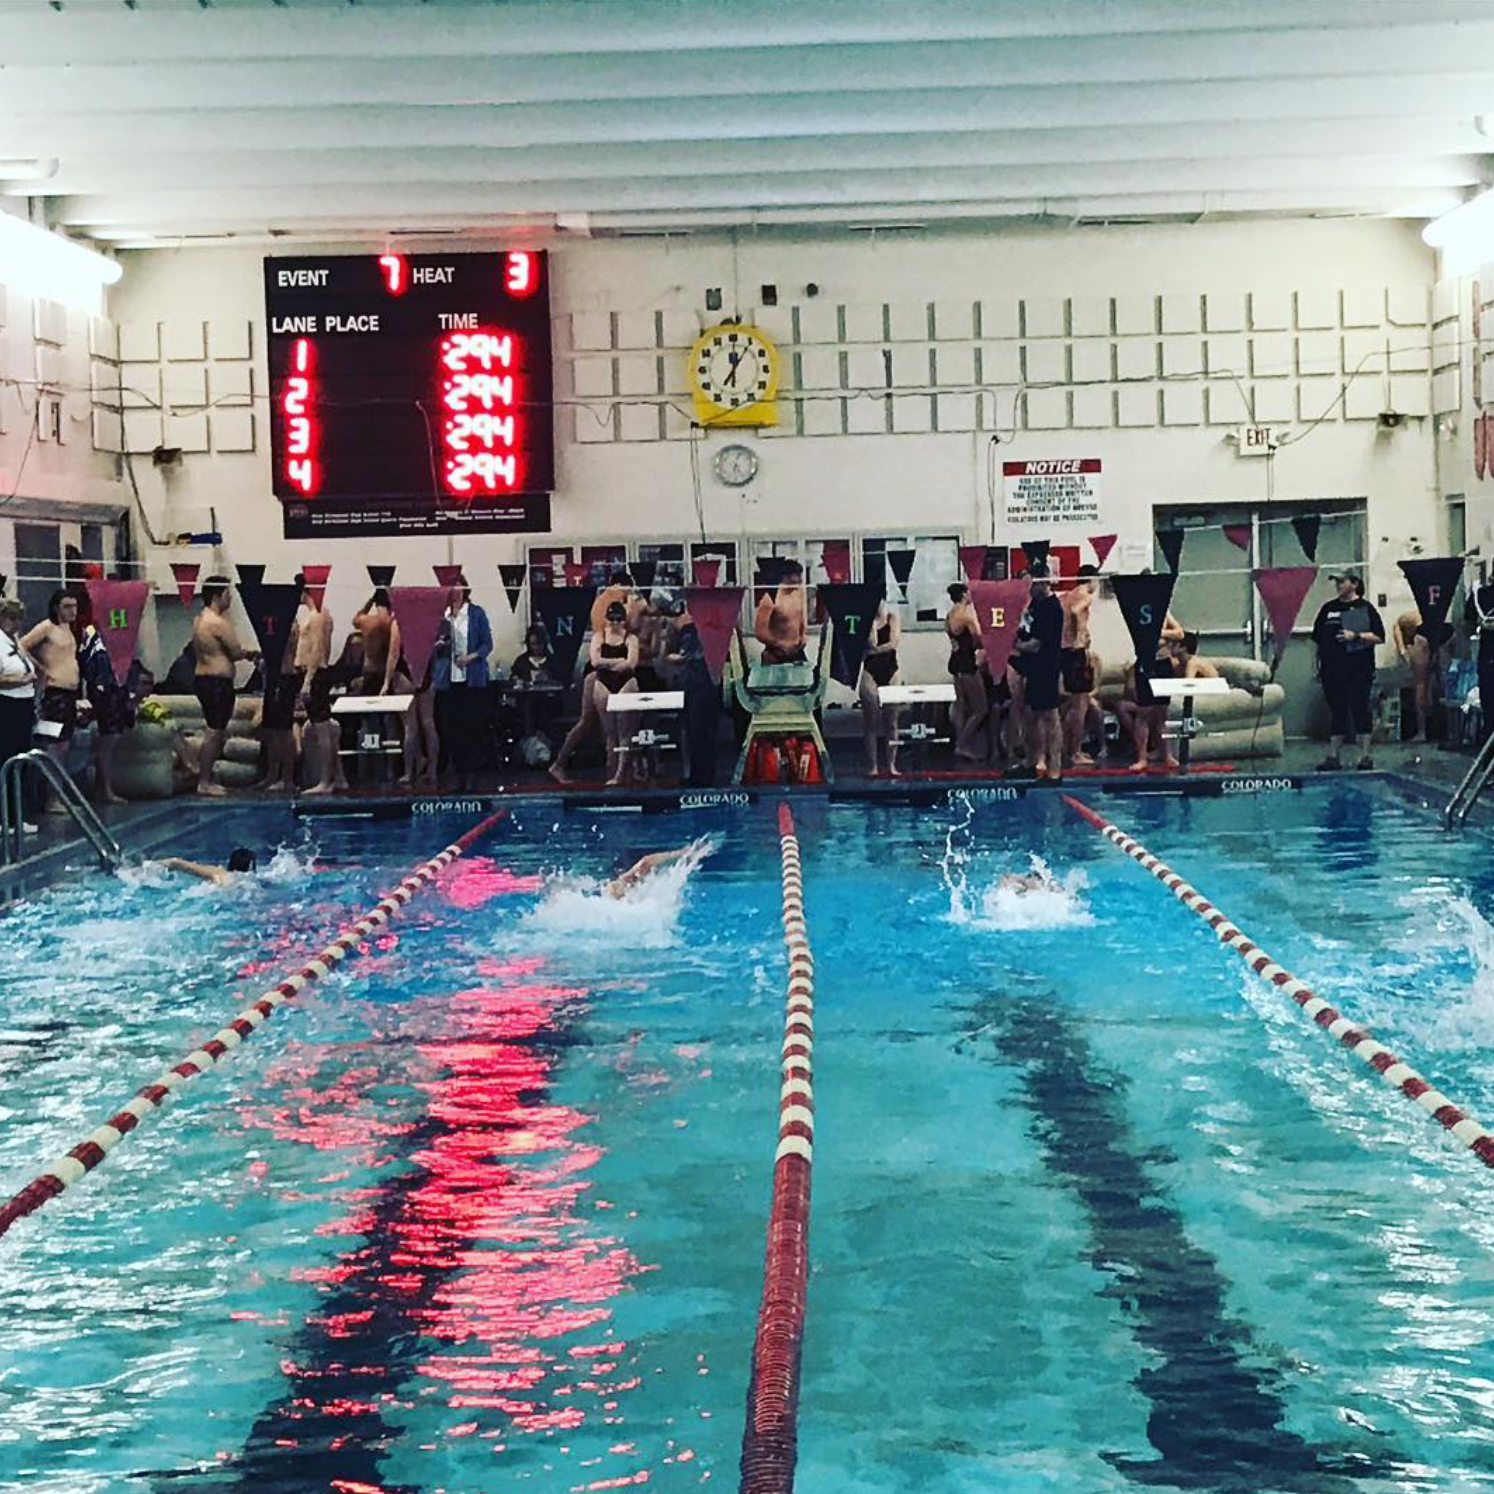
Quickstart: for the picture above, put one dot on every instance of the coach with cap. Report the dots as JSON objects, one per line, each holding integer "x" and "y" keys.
{"x": 1346, "y": 631}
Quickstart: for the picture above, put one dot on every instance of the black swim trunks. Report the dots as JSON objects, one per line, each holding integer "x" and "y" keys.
{"x": 1078, "y": 676}
{"x": 281, "y": 695}
{"x": 60, "y": 706}
{"x": 113, "y": 709}
{"x": 215, "y": 696}
{"x": 319, "y": 696}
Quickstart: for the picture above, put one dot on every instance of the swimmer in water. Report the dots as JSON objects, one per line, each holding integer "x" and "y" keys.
{"x": 621, "y": 886}
{"x": 1023, "y": 883}
{"x": 240, "y": 860}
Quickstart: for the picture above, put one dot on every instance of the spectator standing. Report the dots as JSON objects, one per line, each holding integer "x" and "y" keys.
{"x": 217, "y": 650}
{"x": 459, "y": 676}
{"x": 1040, "y": 647}
{"x": 878, "y": 668}
{"x": 54, "y": 645}
{"x": 1078, "y": 665}
{"x": 1478, "y": 614}
{"x": 971, "y": 707}
{"x": 1346, "y": 631}
{"x": 18, "y": 681}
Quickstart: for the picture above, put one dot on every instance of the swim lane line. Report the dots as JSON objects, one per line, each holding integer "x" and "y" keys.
{"x": 1398, "y": 1075}
{"x": 88, "y": 1154}
{"x": 770, "y": 1439}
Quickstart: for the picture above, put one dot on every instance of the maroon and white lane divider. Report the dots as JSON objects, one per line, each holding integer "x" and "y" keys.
{"x": 1398, "y": 1075}
{"x": 770, "y": 1441}
{"x": 87, "y": 1155}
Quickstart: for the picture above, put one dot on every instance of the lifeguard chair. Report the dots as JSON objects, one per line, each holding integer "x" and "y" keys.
{"x": 781, "y": 701}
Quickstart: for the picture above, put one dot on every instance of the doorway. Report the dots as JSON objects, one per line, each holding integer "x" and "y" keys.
{"x": 1216, "y": 596}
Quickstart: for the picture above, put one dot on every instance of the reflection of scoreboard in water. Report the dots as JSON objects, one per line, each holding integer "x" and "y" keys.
{"x": 411, "y": 393}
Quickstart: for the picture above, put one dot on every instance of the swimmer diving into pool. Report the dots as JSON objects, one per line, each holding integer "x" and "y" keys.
{"x": 241, "y": 859}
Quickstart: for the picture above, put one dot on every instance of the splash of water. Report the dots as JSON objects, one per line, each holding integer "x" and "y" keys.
{"x": 1466, "y": 1017}
{"x": 646, "y": 916}
{"x": 954, "y": 864}
{"x": 1058, "y": 903}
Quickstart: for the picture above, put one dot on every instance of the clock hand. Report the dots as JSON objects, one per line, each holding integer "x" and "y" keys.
{"x": 736, "y": 363}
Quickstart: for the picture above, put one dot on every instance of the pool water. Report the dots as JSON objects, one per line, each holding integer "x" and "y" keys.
{"x": 1094, "y": 1208}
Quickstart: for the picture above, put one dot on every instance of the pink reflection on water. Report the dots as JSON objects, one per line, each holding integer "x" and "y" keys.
{"x": 475, "y": 880}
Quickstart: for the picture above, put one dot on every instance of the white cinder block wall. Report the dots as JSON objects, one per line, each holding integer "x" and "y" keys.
{"x": 1260, "y": 320}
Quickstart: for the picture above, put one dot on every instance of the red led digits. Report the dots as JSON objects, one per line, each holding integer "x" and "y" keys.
{"x": 300, "y": 424}
{"x": 519, "y": 278}
{"x": 396, "y": 277}
{"x": 480, "y": 423}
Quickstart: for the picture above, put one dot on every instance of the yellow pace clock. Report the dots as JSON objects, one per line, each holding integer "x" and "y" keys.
{"x": 734, "y": 377}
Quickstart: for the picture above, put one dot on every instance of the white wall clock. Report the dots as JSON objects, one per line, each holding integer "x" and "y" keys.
{"x": 736, "y": 465}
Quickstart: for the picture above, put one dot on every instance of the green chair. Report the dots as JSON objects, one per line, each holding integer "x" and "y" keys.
{"x": 781, "y": 699}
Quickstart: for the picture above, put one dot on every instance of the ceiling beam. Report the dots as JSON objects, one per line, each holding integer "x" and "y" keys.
{"x": 111, "y": 33}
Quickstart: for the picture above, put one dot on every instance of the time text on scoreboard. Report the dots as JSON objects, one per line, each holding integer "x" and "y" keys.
{"x": 411, "y": 393}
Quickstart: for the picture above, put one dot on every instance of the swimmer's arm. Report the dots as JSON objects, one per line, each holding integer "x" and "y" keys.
{"x": 391, "y": 657}
{"x": 215, "y": 874}
{"x": 1172, "y": 630}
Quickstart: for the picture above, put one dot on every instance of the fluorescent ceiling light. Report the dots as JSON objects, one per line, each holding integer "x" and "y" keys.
{"x": 33, "y": 259}
{"x": 1465, "y": 235}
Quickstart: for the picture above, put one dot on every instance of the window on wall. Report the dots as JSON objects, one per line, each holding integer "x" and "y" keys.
{"x": 547, "y": 564}
{"x": 1457, "y": 523}
{"x": 38, "y": 566}
{"x": 602, "y": 562}
{"x": 668, "y": 560}
{"x": 932, "y": 564}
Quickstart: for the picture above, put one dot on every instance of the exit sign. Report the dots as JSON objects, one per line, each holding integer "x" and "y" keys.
{"x": 1258, "y": 440}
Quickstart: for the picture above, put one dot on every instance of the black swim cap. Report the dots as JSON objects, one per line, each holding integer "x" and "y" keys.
{"x": 241, "y": 859}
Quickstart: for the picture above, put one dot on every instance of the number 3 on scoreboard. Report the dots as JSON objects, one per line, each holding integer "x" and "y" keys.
{"x": 518, "y": 272}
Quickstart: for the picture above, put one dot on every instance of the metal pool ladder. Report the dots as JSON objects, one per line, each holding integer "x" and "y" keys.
{"x": 12, "y": 808}
{"x": 1474, "y": 781}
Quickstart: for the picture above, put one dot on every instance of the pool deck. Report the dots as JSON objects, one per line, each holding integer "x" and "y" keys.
{"x": 1427, "y": 774}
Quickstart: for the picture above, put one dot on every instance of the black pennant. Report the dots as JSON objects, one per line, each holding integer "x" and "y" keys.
{"x": 381, "y": 575}
{"x": 513, "y": 582}
{"x": 565, "y": 612}
{"x": 900, "y": 562}
{"x": 272, "y": 615}
{"x": 768, "y": 576}
{"x": 1170, "y": 543}
{"x": 1433, "y": 583}
{"x": 644, "y": 572}
{"x": 1307, "y": 527}
{"x": 1036, "y": 552}
{"x": 1143, "y": 602}
{"x": 852, "y": 606}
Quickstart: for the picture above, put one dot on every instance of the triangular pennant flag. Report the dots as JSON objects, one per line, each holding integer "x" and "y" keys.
{"x": 999, "y": 606}
{"x": 250, "y": 575}
{"x": 973, "y": 562}
{"x": 835, "y": 556}
{"x": 643, "y": 573}
{"x": 1143, "y": 603}
{"x": 852, "y": 607}
{"x": 185, "y": 573}
{"x": 381, "y": 575}
{"x": 717, "y": 611}
{"x": 1433, "y": 583}
{"x": 513, "y": 581}
{"x": 419, "y": 610}
{"x": 578, "y": 573}
{"x": 565, "y": 612}
{"x": 315, "y": 577}
{"x": 1170, "y": 543}
{"x": 1102, "y": 545}
{"x": 768, "y": 576}
{"x": 1035, "y": 552}
{"x": 448, "y": 575}
{"x": 1283, "y": 589}
{"x": 705, "y": 570}
{"x": 118, "y": 607}
{"x": 900, "y": 562}
{"x": 272, "y": 614}
{"x": 1307, "y": 527}
{"x": 1238, "y": 535}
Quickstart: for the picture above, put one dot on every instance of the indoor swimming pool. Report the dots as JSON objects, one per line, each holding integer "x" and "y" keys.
{"x": 484, "y": 1212}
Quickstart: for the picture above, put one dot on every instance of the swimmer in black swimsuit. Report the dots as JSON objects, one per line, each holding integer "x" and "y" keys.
{"x": 972, "y": 708}
{"x": 878, "y": 668}
{"x": 614, "y": 662}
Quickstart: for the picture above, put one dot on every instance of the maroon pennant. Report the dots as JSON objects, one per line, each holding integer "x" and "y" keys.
{"x": 999, "y": 606}
{"x": 448, "y": 575}
{"x": 316, "y": 583}
{"x": 716, "y": 610}
{"x": 1283, "y": 589}
{"x": 185, "y": 574}
{"x": 1238, "y": 534}
{"x": 418, "y": 610}
{"x": 1102, "y": 545}
{"x": 706, "y": 570}
{"x": 973, "y": 562}
{"x": 118, "y": 607}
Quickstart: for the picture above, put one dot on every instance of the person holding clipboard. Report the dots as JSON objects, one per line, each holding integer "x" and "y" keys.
{"x": 1346, "y": 632}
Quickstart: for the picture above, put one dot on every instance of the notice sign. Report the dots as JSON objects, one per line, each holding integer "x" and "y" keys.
{"x": 1045, "y": 494}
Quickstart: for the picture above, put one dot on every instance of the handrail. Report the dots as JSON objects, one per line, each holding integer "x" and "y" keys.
{"x": 12, "y": 817}
{"x": 1460, "y": 806}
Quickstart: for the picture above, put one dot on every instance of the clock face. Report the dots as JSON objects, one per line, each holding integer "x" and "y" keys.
{"x": 733, "y": 368}
{"x": 736, "y": 466}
